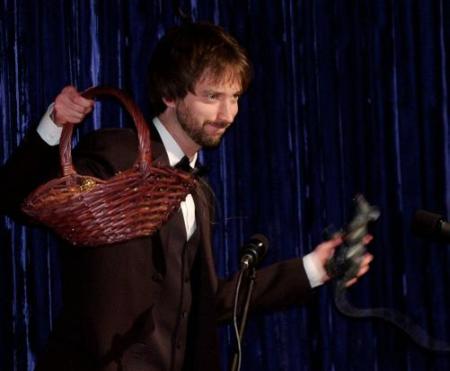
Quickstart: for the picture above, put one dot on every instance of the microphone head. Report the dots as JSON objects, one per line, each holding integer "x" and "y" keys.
{"x": 426, "y": 224}
{"x": 260, "y": 242}
{"x": 255, "y": 249}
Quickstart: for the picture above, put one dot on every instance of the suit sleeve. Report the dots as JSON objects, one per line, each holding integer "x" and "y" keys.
{"x": 32, "y": 164}
{"x": 277, "y": 286}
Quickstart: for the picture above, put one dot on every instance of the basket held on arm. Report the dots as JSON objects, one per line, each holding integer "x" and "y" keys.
{"x": 86, "y": 210}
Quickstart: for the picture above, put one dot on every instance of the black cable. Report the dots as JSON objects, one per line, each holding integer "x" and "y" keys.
{"x": 235, "y": 324}
{"x": 400, "y": 320}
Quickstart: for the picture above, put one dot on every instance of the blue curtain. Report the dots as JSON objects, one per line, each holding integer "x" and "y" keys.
{"x": 348, "y": 96}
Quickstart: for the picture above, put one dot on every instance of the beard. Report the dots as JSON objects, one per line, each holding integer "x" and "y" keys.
{"x": 196, "y": 129}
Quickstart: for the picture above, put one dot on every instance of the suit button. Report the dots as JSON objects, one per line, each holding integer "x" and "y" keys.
{"x": 157, "y": 277}
{"x": 184, "y": 315}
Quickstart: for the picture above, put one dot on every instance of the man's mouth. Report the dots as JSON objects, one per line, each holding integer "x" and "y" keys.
{"x": 218, "y": 124}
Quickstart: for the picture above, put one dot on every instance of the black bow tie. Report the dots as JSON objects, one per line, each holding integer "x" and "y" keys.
{"x": 184, "y": 165}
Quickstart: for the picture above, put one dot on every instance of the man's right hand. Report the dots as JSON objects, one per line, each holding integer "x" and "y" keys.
{"x": 70, "y": 107}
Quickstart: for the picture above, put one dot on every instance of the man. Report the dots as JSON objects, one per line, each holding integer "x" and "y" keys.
{"x": 153, "y": 303}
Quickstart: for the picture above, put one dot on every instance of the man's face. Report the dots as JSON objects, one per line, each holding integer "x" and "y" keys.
{"x": 206, "y": 114}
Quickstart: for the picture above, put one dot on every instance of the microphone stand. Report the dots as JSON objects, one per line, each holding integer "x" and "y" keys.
{"x": 252, "y": 275}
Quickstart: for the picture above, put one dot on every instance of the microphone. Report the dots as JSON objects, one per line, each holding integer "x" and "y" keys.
{"x": 254, "y": 251}
{"x": 430, "y": 225}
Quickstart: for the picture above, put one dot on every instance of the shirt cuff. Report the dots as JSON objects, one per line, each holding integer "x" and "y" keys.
{"x": 48, "y": 130}
{"x": 314, "y": 270}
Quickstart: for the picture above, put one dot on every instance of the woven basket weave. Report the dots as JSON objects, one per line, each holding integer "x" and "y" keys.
{"x": 85, "y": 210}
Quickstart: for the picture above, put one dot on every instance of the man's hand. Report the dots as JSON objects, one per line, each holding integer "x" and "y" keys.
{"x": 324, "y": 251}
{"x": 70, "y": 107}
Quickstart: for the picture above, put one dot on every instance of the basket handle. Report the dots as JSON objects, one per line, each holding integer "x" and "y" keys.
{"x": 144, "y": 158}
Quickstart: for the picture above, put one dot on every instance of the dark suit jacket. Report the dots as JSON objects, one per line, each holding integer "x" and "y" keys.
{"x": 109, "y": 292}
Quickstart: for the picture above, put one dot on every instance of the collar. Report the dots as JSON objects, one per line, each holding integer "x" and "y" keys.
{"x": 174, "y": 152}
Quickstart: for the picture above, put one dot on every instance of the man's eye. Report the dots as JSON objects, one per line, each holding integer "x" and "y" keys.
{"x": 211, "y": 96}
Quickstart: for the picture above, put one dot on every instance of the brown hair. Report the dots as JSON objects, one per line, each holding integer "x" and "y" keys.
{"x": 185, "y": 53}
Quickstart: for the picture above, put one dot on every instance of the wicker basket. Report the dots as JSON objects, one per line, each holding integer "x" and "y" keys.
{"x": 85, "y": 210}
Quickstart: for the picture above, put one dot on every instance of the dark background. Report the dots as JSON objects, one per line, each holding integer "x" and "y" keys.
{"x": 348, "y": 96}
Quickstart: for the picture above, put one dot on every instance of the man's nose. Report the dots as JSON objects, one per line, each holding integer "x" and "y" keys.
{"x": 227, "y": 111}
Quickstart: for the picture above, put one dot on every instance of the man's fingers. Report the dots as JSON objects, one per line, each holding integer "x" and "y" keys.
{"x": 332, "y": 244}
{"x": 70, "y": 107}
{"x": 362, "y": 271}
{"x": 73, "y": 100}
{"x": 85, "y": 104}
{"x": 351, "y": 282}
{"x": 367, "y": 259}
{"x": 66, "y": 115}
{"x": 325, "y": 250}
{"x": 364, "y": 266}
{"x": 367, "y": 239}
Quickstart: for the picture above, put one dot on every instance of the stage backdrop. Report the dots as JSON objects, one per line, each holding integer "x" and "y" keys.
{"x": 348, "y": 96}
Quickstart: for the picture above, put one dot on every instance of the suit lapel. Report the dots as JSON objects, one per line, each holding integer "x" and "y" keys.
{"x": 160, "y": 158}
{"x": 204, "y": 217}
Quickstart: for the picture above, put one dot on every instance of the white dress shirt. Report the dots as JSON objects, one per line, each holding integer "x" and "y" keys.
{"x": 175, "y": 154}
{"x": 51, "y": 134}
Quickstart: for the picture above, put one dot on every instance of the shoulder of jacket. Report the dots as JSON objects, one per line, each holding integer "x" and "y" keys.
{"x": 110, "y": 134}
